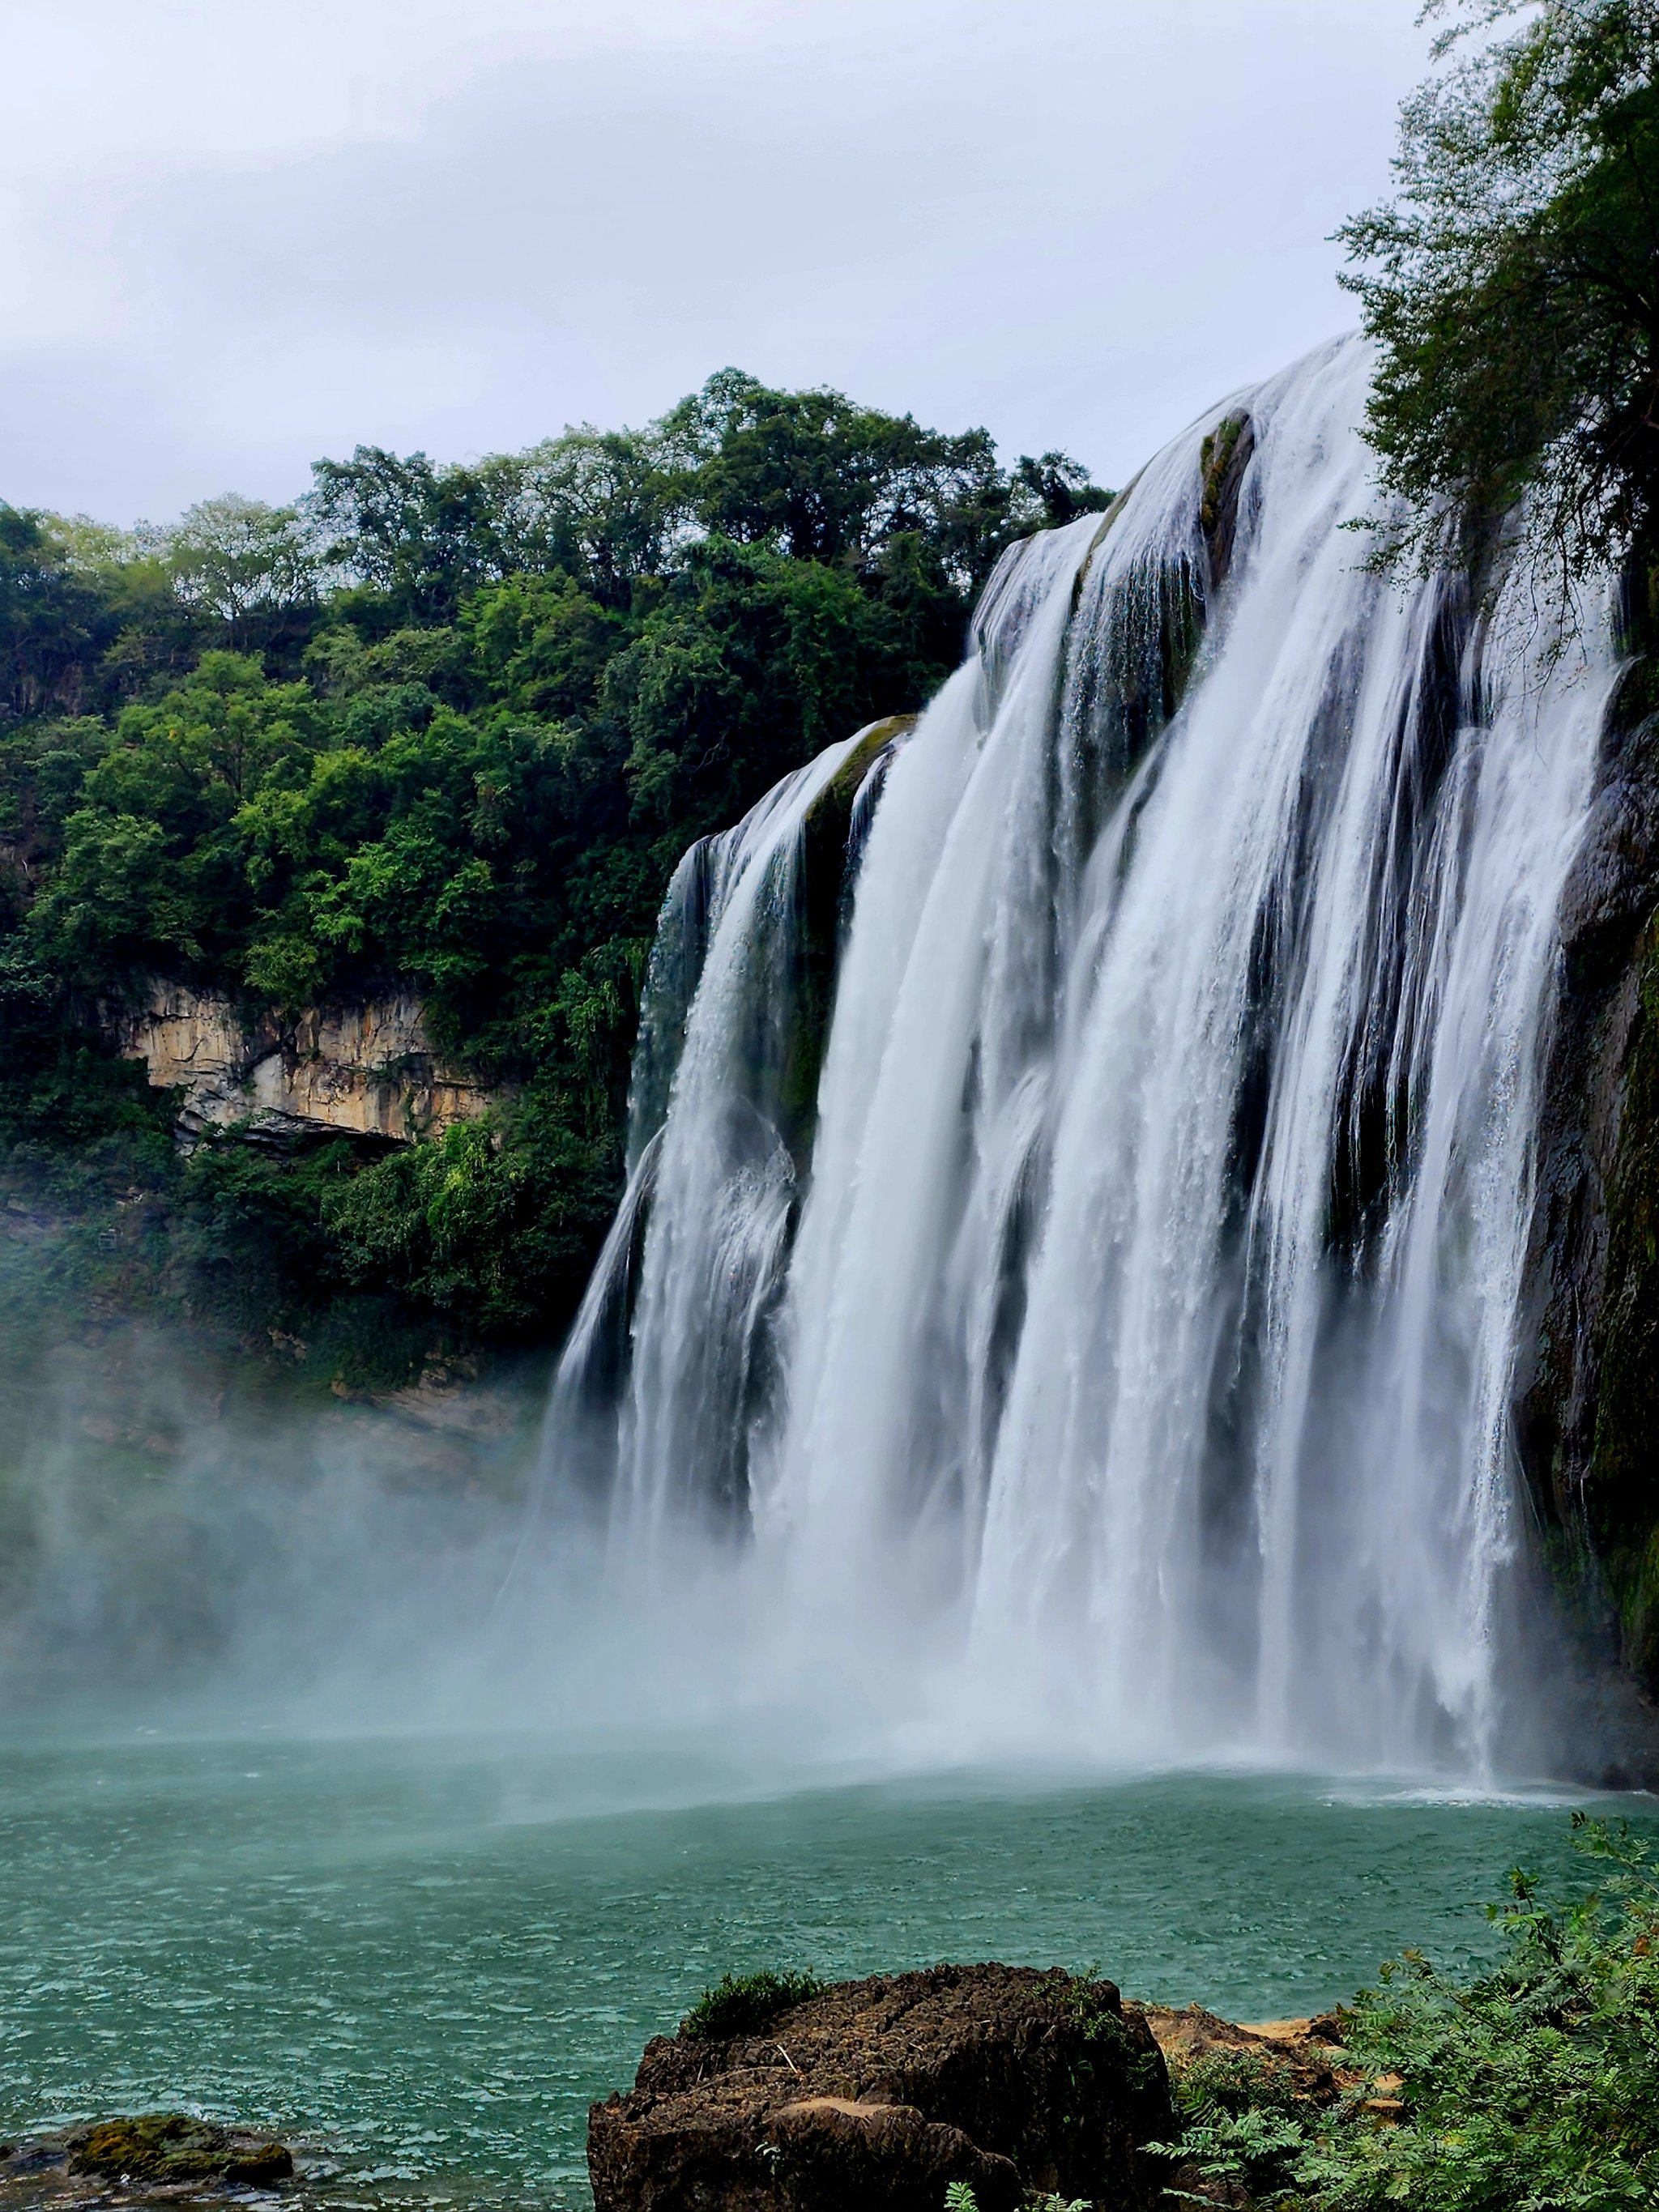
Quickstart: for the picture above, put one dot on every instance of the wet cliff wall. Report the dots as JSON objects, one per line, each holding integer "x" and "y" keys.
{"x": 1588, "y": 1383}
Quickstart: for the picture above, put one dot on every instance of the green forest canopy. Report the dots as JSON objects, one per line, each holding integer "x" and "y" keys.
{"x": 448, "y": 725}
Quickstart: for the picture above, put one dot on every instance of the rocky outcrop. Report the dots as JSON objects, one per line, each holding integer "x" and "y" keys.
{"x": 1224, "y": 457}
{"x": 1309, "y": 2052}
{"x": 368, "y": 1069}
{"x": 878, "y": 2094}
{"x": 1294, "y": 2068}
{"x": 158, "y": 2151}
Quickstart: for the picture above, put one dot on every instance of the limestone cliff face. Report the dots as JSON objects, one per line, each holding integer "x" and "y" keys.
{"x": 364, "y": 1070}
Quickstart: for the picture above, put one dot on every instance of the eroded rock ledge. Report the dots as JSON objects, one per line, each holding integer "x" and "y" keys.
{"x": 370, "y": 1069}
{"x": 878, "y": 2094}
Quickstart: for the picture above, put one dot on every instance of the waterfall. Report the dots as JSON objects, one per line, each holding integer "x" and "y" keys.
{"x": 1130, "y": 1300}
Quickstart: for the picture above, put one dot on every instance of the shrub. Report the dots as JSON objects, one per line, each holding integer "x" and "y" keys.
{"x": 1533, "y": 2088}
{"x": 743, "y": 2004}
{"x": 1241, "y": 2120}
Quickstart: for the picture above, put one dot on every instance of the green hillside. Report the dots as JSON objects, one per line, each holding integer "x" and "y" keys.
{"x": 446, "y": 727}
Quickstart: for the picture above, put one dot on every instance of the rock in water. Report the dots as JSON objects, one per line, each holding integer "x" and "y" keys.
{"x": 878, "y": 2094}
{"x": 162, "y": 2148}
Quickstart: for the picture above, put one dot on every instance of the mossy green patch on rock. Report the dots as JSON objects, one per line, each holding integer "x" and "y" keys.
{"x": 1214, "y": 456}
{"x": 819, "y": 917}
{"x": 162, "y": 2148}
{"x": 1223, "y": 459}
{"x": 837, "y": 796}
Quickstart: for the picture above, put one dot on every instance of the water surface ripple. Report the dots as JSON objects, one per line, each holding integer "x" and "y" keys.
{"x": 426, "y": 1956}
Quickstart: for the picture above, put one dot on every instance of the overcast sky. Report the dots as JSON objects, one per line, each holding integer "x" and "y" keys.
{"x": 236, "y": 235}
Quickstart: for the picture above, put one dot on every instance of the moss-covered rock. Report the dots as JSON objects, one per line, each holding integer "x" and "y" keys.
{"x": 1223, "y": 457}
{"x": 160, "y": 2148}
{"x": 822, "y": 896}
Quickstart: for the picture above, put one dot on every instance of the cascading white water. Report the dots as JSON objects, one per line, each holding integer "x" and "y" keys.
{"x": 1147, "y": 1325}
{"x": 706, "y": 1213}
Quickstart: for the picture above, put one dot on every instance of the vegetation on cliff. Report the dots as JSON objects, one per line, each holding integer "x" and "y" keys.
{"x": 1511, "y": 285}
{"x": 745, "y": 2004}
{"x": 448, "y": 726}
{"x": 1535, "y": 2084}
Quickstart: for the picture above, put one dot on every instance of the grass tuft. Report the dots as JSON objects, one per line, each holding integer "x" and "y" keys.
{"x": 743, "y": 2004}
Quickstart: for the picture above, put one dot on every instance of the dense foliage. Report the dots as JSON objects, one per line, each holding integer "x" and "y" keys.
{"x": 1513, "y": 287}
{"x": 449, "y": 727}
{"x": 1533, "y": 2088}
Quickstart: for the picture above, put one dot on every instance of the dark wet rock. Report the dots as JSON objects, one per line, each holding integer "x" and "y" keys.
{"x": 1613, "y": 884}
{"x": 1587, "y": 1375}
{"x": 837, "y": 2151}
{"x": 828, "y": 866}
{"x": 878, "y": 2094}
{"x": 155, "y": 2151}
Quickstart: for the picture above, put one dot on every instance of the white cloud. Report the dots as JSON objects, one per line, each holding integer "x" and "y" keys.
{"x": 235, "y": 235}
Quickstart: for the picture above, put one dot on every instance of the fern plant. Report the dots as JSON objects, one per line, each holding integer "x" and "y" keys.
{"x": 1242, "y": 2122}
{"x": 959, "y": 2198}
{"x": 1533, "y": 2088}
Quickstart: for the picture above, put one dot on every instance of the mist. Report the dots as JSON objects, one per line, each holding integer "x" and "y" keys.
{"x": 186, "y": 1552}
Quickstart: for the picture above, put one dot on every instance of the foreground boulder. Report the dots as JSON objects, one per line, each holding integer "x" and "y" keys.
{"x": 879, "y": 2093}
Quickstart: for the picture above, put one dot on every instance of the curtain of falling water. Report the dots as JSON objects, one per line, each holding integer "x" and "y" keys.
{"x": 1147, "y": 1322}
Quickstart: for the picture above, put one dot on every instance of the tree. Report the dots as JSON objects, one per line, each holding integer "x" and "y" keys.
{"x": 245, "y": 564}
{"x": 601, "y": 506}
{"x": 754, "y": 663}
{"x": 541, "y": 643}
{"x": 1512, "y": 287}
{"x": 822, "y": 479}
{"x": 52, "y": 621}
{"x": 1053, "y": 490}
{"x": 421, "y": 536}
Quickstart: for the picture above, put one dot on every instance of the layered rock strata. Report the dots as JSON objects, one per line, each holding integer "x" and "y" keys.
{"x": 365, "y": 1069}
